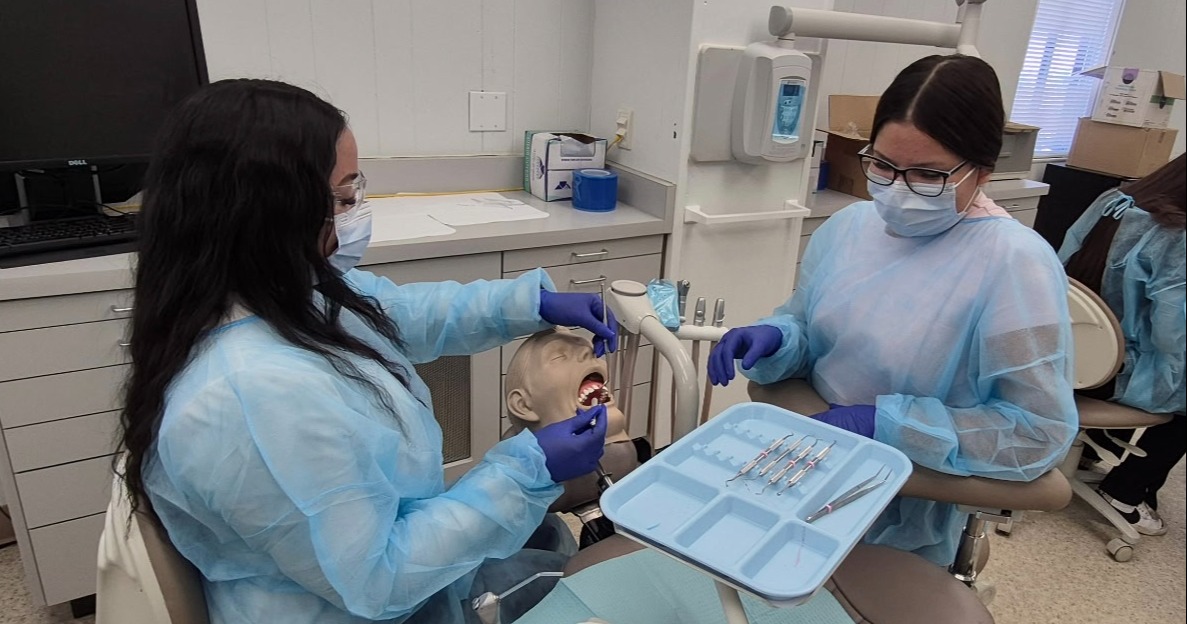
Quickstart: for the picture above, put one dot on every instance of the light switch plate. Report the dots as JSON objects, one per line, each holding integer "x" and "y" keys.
{"x": 488, "y": 111}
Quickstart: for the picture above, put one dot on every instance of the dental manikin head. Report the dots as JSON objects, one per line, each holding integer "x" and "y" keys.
{"x": 552, "y": 376}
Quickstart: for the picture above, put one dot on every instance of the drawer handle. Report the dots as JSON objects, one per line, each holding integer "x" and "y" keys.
{"x": 592, "y": 254}
{"x": 597, "y": 280}
{"x": 1015, "y": 205}
{"x": 125, "y": 345}
{"x": 119, "y": 310}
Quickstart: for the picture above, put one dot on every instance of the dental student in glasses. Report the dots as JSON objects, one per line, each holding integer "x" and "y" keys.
{"x": 928, "y": 318}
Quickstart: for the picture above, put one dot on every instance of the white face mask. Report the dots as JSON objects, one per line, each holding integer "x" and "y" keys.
{"x": 908, "y": 213}
{"x": 353, "y": 229}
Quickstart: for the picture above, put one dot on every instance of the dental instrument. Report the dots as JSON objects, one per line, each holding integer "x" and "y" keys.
{"x": 778, "y": 458}
{"x": 682, "y": 288}
{"x": 797, "y": 477}
{"x": 787, "y": 468}
{"x": 850, "y": 495}
{"x": 698, "y": 320}
{"x": 486, "y": 606}
{"x": 761, "y": 456}
{"x": 718, "y": 321}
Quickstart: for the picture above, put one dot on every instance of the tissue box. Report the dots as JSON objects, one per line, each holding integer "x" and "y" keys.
{"x": 551, "y": 157}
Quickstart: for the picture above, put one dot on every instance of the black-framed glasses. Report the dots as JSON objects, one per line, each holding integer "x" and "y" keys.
{"x": 921, "y": 180}
{"x": 350, "y": 195}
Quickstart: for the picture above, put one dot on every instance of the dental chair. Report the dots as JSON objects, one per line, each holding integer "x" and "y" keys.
{"x": 1100, "y": 353}
{"x": 142, "y": 578}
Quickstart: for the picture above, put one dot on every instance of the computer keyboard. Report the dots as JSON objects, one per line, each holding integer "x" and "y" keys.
{"x": 66, "y": 234}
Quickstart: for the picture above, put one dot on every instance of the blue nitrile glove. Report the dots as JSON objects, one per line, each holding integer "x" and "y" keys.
{"x": 582, "y": 310}
{"x": 573, "y": 447}
{"x": 749, "y": 344}
{"x": 856, "y": 418}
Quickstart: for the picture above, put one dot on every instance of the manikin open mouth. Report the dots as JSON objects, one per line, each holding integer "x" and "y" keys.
{"x": 593, "y": 391}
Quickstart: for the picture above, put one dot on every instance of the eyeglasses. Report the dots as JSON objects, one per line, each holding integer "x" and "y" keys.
{"x": 921, "y": 180}
{"x": 350, "y": 195}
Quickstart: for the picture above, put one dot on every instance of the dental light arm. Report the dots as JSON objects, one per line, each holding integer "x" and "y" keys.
{"x": 790, "y": 22}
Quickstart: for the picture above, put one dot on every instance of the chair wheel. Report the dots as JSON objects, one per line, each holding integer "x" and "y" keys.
{"x": 1120, "y": 550}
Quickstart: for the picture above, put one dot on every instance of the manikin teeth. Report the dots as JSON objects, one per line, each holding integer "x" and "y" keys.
{"x": 593, "y": 394}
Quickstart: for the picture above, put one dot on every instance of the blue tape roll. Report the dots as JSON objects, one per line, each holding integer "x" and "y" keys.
{"x": 595, "y": 190}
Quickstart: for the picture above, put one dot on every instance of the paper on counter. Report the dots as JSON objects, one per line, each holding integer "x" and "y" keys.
{"x": 458, "y": 210}
{"x": 392, "y": 226}
{"x": 464, "y": 214}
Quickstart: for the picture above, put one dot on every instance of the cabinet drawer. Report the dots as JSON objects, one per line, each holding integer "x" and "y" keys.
{"x": 65, "y": 556}
{"x": 591, "y": 276}
{"x": 62, "y": 349}
{"x": 65, "y": 310}
{"x": 62, "y": 441}
{"x": 42, "y": 399}
{"x": 1025, "y": 217}
{"x": 1021, "y": 203}
{"x": 464, "y": 269}
{"x": 65, "y": 492}
{"x": 524, "y": 259}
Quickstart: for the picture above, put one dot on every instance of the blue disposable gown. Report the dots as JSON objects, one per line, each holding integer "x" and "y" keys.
{"x": 961, "y": 340}
{"x": 1144, "y": 286}
{"x": 301, "y": 499}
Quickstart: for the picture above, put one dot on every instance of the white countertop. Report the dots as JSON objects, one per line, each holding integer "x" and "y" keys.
{"x": 563, "y": 226}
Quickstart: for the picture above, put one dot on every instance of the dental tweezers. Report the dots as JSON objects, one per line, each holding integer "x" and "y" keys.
{"x": 850, "y": 495}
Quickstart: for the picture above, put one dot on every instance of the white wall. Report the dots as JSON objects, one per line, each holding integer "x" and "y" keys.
{"x": 862, "y": 68}
{"x": 640, "y": 50}
{"x": 1153, "y": 35}
{"x": 402, "y": 69}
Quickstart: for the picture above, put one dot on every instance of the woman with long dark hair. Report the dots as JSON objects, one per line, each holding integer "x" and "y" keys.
{"x": 273, "y": 419}
{"x": 1129, "y": 247}
{"x": 928, "y": 318}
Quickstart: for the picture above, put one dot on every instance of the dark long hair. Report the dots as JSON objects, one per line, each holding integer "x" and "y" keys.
{"x": 237, "y": 197}
{"x": 954, "y": 99}
{"x": 1163, "y": 194}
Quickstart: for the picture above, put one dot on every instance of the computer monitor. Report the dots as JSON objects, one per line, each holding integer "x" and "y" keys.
{"x": 89, "y": 82}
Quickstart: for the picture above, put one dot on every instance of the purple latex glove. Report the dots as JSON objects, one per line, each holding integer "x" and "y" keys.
{"x": 582, "y": 310}
{"x": 858, "y": 419}
{"x": 573, "y": 447}
{"x": 749, "y": 344}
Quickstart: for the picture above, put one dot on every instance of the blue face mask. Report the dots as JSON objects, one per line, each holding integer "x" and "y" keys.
{"x": 353, "y": 229}
{"x": 908, "y": 213}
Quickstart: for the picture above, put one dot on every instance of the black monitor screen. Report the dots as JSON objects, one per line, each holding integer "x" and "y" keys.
{"x": 90, "y": 81}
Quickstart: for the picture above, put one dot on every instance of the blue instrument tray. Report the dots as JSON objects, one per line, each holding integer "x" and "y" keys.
{"x": 680, "y": 503}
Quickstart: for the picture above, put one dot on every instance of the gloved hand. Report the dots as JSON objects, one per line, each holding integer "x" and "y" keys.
{"x": 572, "y": 447}
{"x": 749, "y": 344}
{"x": 582, "y": 310}
{"x": 856, "y": 418}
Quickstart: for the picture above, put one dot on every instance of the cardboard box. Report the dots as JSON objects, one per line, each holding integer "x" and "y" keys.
{"x": 1141, "y": 98}
{"x": 1120, "y": 150}
{"x": 850, "y": 120}
{"x": 551, "y": 157}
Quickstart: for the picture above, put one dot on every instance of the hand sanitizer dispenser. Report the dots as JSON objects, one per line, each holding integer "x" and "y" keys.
{"x": 769, "y": 101}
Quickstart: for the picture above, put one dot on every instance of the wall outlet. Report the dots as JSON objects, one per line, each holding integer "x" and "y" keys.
{"x": 488, "y": 111}
{"x": 623, "y": 126}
